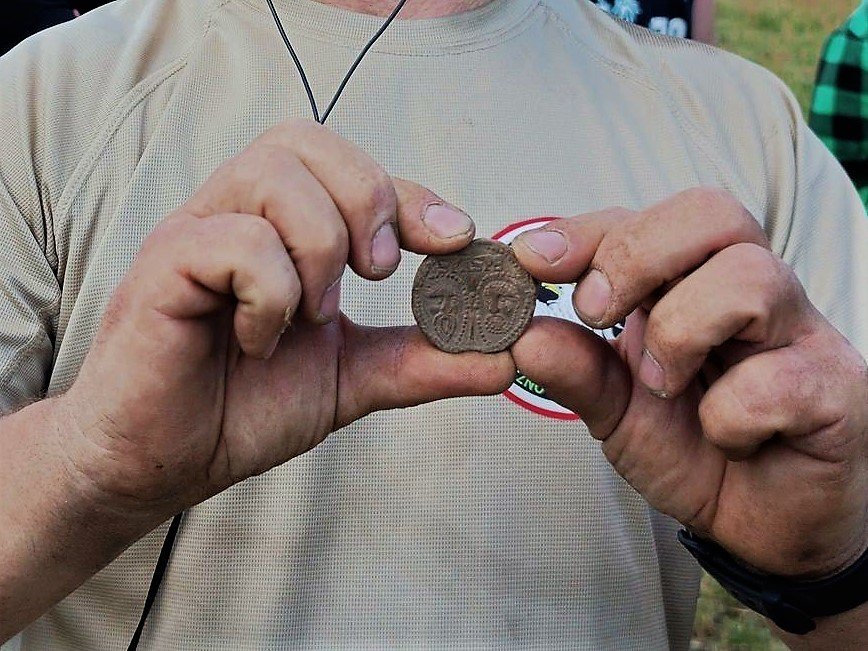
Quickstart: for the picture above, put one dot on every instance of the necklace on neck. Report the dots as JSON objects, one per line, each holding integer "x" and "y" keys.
{"x": 311, "y": 99}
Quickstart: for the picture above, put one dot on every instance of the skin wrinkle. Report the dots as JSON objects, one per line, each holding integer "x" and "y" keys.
{"x": 414, "y": 8}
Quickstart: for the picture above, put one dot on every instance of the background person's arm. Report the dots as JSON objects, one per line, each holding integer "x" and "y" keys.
{"x": 702, "y": 28}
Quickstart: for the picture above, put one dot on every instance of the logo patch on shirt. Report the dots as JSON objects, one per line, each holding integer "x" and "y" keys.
{"x": 554, "y": 300}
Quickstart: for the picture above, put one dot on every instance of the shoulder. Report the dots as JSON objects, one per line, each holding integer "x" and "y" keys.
{"x": 66, "y": 88}
{"x": 734, "y": 111}
{"x": 856, "y": 26}
{"x": 694, "y": 71}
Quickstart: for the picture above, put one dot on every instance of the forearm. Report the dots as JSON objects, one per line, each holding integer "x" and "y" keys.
{"x": 845, "y": 631}
{"x": 56, "y": 529}
{"x": 703, "y": 21}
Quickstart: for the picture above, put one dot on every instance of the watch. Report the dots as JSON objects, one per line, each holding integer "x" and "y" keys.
{"x": 792, "y": 604}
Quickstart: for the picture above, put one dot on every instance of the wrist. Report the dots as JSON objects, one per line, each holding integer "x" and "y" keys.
{"x": 58, "y": 527}
{"x": 848, "y": 555}
{"x": 794, "y": 604}
{"x": 100, "y": 481}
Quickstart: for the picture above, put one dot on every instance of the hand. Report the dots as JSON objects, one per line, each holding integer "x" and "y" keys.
{"x": 223, "y": 354}
{"x": 728, "y": 401}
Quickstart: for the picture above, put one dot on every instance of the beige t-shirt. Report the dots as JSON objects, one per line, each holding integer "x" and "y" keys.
{"x": 467, "y": 523}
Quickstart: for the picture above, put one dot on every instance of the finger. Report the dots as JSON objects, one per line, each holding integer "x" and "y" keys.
{"x": 389, "y": 368}
{"x": 312, "y": 230}
{"x": 579, "y": 370}
{"x": 234, "y": 256}
{"x": 561, "y": 251}
{"x": 365, "y": 196}
{"x": 788, "y": 392}
{"x": 382, "y": 214}
{"x": 427, "y": 224}
{"x": 654, "y": 444}
{"x": 622, "y": 258}
{"x": 744, "y": 292}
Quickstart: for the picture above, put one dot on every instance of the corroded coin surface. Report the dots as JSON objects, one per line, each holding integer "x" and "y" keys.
{"x": 478, "y": 299}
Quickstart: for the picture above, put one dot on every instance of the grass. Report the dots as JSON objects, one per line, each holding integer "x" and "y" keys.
{"x": 723, "y": 624}
{"x": 785, "y": 36}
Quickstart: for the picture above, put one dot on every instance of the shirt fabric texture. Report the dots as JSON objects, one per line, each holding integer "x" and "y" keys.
{"x": 839, "y": 109}
{"x": 467, "y": 523}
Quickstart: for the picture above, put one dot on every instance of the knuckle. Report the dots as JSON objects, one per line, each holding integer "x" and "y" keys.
{"x": 830, "y": 374}
{"x": 175, "y": 228}
{"x": 376, "y": 195}
{"x": 624, "y": 242}
{"x": 258, "y": 234}
{"x": 715, "y": 416}
{"x": 239, "y": 170}
{"x": 767, "y": 281}
{"x": 750, "y": 258}
{"x": 267, "y": 164}
{"x": 735, "y": 221}
{"x": 666, "y": 337}
{"x": 293, "y": 128}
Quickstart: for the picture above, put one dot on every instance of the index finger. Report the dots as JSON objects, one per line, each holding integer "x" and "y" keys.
{"x": 376, "y": 209}
{"x": 621, "y": 258}
{"x": 332, "y": 205}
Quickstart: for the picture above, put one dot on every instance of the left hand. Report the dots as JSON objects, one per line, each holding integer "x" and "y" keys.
{"x": 729, "y": 401}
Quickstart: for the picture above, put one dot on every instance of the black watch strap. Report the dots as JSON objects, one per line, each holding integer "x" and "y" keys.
{"x": 790, "y": 603}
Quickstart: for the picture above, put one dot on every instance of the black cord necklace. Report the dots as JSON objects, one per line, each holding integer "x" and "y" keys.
{"x": 313, "y": 106}
{"x": 172, "y": 533}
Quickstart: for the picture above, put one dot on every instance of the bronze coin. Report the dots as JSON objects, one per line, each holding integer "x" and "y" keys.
{"x": 477, "y": 299}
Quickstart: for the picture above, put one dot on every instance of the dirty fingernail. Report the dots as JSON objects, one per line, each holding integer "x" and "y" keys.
{"x": 446, "y": 221}
{"x": 593, "y": 295}
{"x": 331, "y": 301}
{"x": 287, "y": 318}
{"x": 652, "y": 376}
{"x": 385, "y": 252}
{"x": 551, "y": 245}
{"x": 271, "y": 348}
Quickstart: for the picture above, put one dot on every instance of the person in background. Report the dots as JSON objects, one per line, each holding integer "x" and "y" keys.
{"x": 839, "y": 109}
{"x": 692, "y": 19}
{"x": 26, "y": 17}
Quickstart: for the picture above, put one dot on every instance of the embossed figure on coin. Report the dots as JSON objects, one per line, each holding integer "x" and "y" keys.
{"x": 477, "y": 299}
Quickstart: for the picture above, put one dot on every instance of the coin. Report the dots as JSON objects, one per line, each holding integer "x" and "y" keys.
{"x": 477, "y": 299}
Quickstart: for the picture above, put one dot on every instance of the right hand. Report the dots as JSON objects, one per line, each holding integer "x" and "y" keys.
{"x": 192, "y": 385}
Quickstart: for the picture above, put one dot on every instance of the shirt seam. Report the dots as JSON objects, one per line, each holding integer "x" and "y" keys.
{"x": 628, "y": 73}
{"x": 621, "y": 70}
{"x": 14, "y": 360}
{"x": 487, "y": 42}
{"x": 119, "y": 115}
{"x": 790, "y": 221}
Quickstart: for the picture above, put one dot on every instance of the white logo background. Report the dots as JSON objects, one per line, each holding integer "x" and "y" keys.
{"x": 554, "y": 300}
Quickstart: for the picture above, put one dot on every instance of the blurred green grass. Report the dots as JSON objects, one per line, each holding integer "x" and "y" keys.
{"x": 786, "y": 37}
{"x": 723, "y": 624}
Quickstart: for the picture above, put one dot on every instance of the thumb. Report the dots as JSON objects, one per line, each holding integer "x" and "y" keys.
{"x": 390, "y": 368}
{"x": 654, "y": 444}
{"x": 579, "y": 370}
